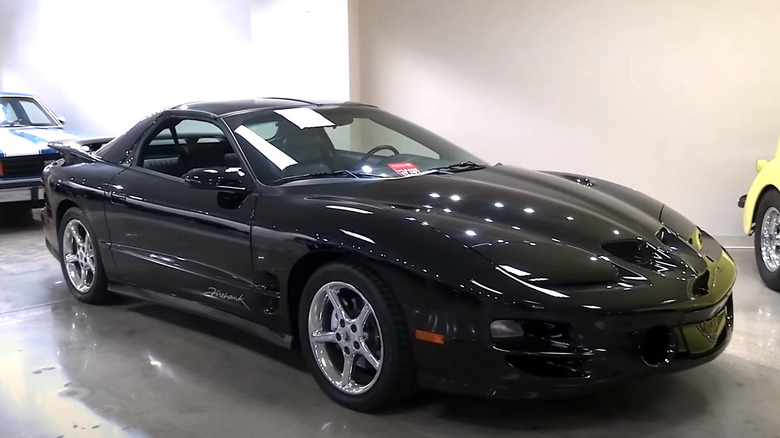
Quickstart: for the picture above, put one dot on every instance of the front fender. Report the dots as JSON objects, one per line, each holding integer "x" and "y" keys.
{"x": 766, "y": 178}
{"x": 421, "y": 264}
{"x": 388, "y": 235}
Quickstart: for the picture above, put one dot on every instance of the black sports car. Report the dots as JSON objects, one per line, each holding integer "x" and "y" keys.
{"x": 394, "y": 258}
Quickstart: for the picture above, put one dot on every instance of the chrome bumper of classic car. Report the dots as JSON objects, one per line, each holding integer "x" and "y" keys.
{"x": 21, "y": 190}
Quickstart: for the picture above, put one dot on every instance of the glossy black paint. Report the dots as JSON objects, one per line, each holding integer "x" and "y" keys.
{"x": 460, "y": 250}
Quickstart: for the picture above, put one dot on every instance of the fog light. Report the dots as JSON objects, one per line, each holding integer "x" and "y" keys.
{"x": 506, "y": 328}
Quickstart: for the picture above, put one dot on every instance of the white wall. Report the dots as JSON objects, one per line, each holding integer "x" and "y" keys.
{"x": 105, "y": 65}
{"x": 301, "y": 48}
{"x": 676, "y": 98}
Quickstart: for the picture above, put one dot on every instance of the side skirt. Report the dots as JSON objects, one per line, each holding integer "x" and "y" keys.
{"x": 253, "y": 328}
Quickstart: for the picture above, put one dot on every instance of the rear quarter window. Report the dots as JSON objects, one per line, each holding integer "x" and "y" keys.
{"x": 120, "y": 149}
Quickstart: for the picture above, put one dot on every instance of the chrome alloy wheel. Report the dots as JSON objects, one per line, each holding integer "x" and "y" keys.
{"x": 79, "y": 256}
{"x": 770, "y": 239}
{"x": 345, "y": 337}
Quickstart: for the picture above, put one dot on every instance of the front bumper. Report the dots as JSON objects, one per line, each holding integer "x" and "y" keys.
{"x": 600, "y": 349}
{"x": 22, "y": 191}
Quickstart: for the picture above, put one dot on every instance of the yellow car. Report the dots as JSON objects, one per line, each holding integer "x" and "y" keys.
{"x": 762, "y": 218}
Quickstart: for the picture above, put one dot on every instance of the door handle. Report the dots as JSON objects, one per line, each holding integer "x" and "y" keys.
{"x": 118, "y": 196}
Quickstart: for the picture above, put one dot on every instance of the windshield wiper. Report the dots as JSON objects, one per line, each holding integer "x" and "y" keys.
{"x": 336, "y": 173}
{"x": 460, "y": 167}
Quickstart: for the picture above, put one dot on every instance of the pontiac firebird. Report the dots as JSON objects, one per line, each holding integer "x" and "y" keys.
{"x": 393, "y": 258}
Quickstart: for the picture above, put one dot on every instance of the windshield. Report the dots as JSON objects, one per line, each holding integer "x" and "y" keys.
{"x": 23, "y": 111}
{"x": 343, "y": 141}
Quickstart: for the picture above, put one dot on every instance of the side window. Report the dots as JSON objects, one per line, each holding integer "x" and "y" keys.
{"x": 120, "y": 150}
{"x": 8, "y": 114}
{"x": 178, "y": 146}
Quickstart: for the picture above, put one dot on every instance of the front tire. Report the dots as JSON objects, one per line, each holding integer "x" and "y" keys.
{"x": 767, "y": 239}
{"x": 354, "y": 339}
{"x": 80, "y": 259}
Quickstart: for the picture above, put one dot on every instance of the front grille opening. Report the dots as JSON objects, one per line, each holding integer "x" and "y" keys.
{"x": 727, "y": 331}
{"x": 545, "y": 349}
{"x": 668, "y": 238}
{"x": 26, "y": 166}
{"x": 658, "y": 347}
{"x": 561, "y": 368}
{"x": 539, "y": 336}
{"x": 700, "y": 286}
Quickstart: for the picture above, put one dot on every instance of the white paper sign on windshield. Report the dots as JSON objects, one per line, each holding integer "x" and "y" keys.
{"x": 276, "y": 156}
{"x": 304, "y": 117}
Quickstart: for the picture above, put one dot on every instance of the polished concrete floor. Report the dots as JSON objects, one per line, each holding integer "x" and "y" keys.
{"x": 135, "y": 370}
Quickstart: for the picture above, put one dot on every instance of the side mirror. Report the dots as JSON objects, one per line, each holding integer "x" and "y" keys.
{"x": 216, "y": 178}
{"x": 61, "y": 119}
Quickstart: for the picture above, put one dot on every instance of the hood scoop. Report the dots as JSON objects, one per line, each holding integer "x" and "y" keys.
{"x": 581, "y": 180}
{"x": 661, "y": 261}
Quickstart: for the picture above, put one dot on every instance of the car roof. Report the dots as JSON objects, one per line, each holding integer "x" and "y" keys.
{"x": 10, "y": 94}
{"x": 228, "y": 107}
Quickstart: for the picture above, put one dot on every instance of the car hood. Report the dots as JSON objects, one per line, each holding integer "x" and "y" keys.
{"x": 15, "y": 142}
{"x": 550, "y": 228}
{"x": 505, "y": 203}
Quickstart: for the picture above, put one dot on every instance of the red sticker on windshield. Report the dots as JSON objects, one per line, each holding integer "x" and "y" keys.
{"x": 404, "y": 169}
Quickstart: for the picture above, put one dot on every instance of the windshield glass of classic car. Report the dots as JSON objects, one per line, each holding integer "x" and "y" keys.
{"x": 346, "y": 141}
{"x": 23, "y": 111}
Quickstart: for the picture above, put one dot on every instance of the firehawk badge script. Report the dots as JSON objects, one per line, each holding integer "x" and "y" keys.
{"x": 213, "y": 292}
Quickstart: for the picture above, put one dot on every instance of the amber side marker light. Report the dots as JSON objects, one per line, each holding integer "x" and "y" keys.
{"x": 2, "y": 168}
{"x": 433, "y": 338}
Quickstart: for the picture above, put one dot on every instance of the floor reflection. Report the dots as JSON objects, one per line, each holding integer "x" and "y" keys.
{"x": 36, "y": 394}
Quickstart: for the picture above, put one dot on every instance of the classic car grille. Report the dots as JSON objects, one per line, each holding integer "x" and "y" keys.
{"x": 24, "y": 166}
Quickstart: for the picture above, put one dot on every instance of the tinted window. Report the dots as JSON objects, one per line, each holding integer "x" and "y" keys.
{"x": 119, "y": 149}
{"x": 8, "y": 113}
{"x": 266, "y": 130}
{"x": 355, "y": 141}
{"x": 35, "y": 114}
{"x": 364, "y": 134}
{"x": 23, "y": 111}
{"x": 177, "y": 146}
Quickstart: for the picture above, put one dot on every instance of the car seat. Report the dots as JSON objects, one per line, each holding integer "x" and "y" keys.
{"x": 311, "y": 148}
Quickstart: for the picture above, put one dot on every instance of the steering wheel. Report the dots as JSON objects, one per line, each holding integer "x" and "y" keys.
{"x": 374, "y": 150}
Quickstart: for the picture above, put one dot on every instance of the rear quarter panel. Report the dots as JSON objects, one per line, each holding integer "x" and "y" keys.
{"x": 83, "y": 185}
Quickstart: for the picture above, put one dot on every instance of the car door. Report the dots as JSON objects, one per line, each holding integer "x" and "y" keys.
{"x": 171, "y": 238}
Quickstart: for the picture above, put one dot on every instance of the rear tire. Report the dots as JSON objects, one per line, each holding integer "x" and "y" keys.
{"x": 766, "y": 239}
{"x": 80, "y": 259}
{"x": 358, "y": 349}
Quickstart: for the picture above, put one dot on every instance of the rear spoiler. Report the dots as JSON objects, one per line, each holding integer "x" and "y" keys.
{"x": 79, "y": 149}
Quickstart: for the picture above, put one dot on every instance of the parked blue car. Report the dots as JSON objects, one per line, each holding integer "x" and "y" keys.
{"x": 26, "y": 128}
